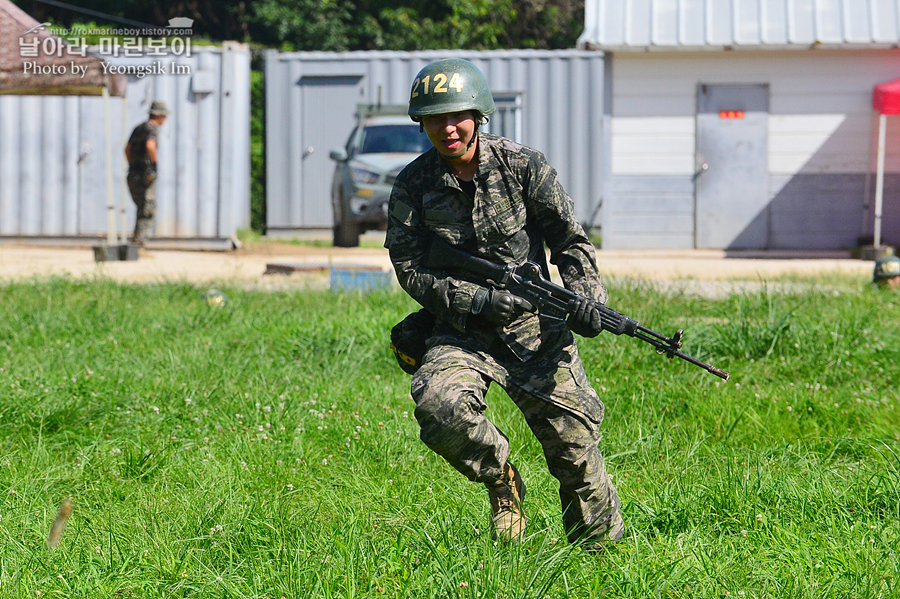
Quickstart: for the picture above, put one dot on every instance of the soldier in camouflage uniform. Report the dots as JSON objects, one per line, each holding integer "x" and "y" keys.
{"x": 141, "y": 155}
{"x": 501, "y": 201}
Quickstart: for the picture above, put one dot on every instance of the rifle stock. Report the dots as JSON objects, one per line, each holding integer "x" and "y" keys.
{"x": 552, "y": 300}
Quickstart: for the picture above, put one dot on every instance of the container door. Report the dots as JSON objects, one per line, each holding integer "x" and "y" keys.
{"x": 731, "y": 184}
{"x": 328, "y": 109}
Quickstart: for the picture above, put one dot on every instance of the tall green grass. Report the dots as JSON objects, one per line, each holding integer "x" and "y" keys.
{"x": 268, "y": 449}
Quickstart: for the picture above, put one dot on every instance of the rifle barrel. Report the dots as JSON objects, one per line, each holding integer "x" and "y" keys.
{"x": 553, "y": 300}
{"x": 671, "y": 350}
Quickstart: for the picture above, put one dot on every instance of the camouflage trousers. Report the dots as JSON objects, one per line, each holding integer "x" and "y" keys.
{"x": 143, "y": 192}
{"x": 559, "y": 405}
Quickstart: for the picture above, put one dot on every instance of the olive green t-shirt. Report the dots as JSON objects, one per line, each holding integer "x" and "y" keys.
{"x": 140, "y": 161}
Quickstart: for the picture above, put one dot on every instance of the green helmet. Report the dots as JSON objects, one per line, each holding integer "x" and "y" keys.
{"x": 887, "y": 267}
{"x": 450, "y": 85}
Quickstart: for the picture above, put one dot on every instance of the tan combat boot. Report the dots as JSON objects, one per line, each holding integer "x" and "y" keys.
{"x": 507, "y": 518}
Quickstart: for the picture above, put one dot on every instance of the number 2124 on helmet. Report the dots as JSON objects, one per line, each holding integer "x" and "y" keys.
{"x": 447, "y": 86}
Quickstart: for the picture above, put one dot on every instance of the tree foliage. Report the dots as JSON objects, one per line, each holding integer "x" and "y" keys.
{"x": 301, "y": 24}
{"x": 340, "y": 25}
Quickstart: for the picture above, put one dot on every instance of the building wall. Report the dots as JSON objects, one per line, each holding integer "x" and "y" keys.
{"x": 562, "y": 102}
{"x": 53, "y": 153}
{"x": 820, "y": 135}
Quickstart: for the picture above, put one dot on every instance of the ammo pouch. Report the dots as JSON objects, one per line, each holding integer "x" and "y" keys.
{"x": 408, "y": 339}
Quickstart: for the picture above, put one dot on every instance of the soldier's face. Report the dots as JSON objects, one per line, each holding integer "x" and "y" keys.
{"x": 450, "y": 133}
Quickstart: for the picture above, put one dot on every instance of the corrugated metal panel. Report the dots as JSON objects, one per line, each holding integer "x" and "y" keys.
{"x": 643, "y": 212}
{"x": 53, "y": 151}
{"x": 641, "y": 25}
{"x": 562, "y": 108}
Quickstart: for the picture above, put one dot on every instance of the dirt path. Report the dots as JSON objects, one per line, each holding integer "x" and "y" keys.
{"x": 248, "y": 265}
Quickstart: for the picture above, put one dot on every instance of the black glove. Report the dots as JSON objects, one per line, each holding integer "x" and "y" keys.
{"x": 584, "y": 318}
{"x": 499, "y": 306}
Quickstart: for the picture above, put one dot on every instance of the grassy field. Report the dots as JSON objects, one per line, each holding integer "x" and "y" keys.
{"x": 267, "y": 449}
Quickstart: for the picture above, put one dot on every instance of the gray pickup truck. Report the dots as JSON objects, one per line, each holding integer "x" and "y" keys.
{"x": 383, "y": 142}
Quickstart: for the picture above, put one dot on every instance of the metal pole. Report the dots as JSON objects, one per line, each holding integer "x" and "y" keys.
{"x": 879, "y": 178}
{"x": 111, "y": 209}
{"x": 123, "y": 239}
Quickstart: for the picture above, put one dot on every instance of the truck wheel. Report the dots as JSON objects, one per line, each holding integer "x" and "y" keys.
{"x": 346, "y": 235}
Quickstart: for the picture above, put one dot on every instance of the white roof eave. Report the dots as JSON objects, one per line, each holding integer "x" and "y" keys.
{"x": 734, "y": 47}
{"x": 715, "y": 25}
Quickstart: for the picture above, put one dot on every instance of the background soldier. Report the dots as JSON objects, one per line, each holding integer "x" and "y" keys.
{"x": 141, "y": 155}
{"x": 501, "y": 201}
{"x": 887, "y": 272}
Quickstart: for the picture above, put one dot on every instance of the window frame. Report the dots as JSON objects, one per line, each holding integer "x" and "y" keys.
{"x": 508, "y": 115}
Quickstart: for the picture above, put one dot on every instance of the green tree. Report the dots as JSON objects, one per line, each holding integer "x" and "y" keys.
{"x": 301, "y": 24}
{"x": 547, "y": 24}
{"x": 469, "y": 24}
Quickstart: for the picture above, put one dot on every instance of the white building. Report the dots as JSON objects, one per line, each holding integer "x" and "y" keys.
{"x": 745, "y": 124}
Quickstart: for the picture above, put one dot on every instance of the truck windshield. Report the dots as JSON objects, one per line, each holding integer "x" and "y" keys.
{"x": 380, "y": 139}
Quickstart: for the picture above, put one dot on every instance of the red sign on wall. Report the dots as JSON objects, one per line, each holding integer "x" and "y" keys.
{"x": 731, "y": 114}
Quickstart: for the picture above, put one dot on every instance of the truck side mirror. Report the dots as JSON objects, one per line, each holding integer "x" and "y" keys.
{"x": 340, "y": 155}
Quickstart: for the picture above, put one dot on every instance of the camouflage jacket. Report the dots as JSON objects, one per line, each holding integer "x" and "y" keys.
{"x": 519, "y": 205}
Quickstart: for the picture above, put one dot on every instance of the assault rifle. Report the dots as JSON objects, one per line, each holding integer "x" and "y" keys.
{"x": 552, "y": 300}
